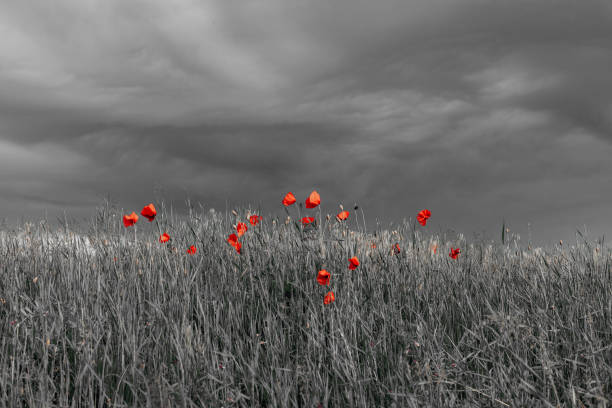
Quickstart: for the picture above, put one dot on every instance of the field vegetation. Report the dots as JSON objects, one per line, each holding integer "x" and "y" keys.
{"x": 107, "y": 315}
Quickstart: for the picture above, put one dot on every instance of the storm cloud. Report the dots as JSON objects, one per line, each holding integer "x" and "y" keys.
{"x": 478, "y": 110}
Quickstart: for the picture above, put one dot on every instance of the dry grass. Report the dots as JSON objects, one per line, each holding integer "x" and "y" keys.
{"x": 114, "y": 318}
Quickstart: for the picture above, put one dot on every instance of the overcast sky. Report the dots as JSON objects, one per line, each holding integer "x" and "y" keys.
{"x": 477, "y": 110}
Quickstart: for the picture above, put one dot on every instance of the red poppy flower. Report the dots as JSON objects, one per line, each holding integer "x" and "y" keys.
{"x": 323, "y": 277}
{"x": 423, "y": 216}
{"x": 307, "y": 220}
{"x": 313, "y": 200}
{"x": 233, "y": 241}
{"x": 396, "y": 249}
{"x": 454, "y": 253}
{"x": 192, "y": 250}
{"x": 164, "y": 238}
{"x": 241, "y": 228}
{"x": 129, "y": 220}
{"x": 434, "y": 248}
{"x": 353, "y": 263}
{"x": 373, "y": 245}
{"x": 149, "y": 212}
{"x": 254, "y": 219}
{"x": 289, "y": 199}
{"x": 342, "y": 216}
{"x": 329, "y": 298}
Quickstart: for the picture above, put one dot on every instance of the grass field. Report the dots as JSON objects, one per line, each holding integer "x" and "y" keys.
{"x": 108, "y": 316}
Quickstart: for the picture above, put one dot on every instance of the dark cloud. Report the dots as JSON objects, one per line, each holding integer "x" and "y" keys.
{"x": 477, "y": 110}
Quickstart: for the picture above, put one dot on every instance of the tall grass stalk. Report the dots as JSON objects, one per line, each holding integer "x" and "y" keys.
{"x": 96, "y": 319}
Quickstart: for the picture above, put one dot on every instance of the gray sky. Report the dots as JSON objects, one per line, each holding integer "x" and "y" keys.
{"x": 477, "y": 110}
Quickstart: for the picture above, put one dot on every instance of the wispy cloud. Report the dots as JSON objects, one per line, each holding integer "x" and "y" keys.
{"x": 478, "y": 110}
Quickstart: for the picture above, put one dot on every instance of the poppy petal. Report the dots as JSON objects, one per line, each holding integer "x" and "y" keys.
{"x": 129, "y": 220}
{"x": 241, "y": 228}
{"x": 149, "y": 212}
{"x": 396, "y": 249}
{"x": 454, "y": 253}
{"x": 342, "y": 215}
{"x": 313, "y": 200}
{"x": 254, "y": 219}
{"x": 323, "y": 277}
{"x": 423, "y": 216}
{"x": 307, "y": 220}
{"x": 329, "y": 298}
{"x": 232, "y": 239}
{"x": 289, "y": 199}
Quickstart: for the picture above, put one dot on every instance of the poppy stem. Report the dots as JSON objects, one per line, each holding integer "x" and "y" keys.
{"x": 321, "y": 234}
{"x": 158, "y": 227}
{"x": 299, "y": 207}
{"x": 347, "y": 232}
